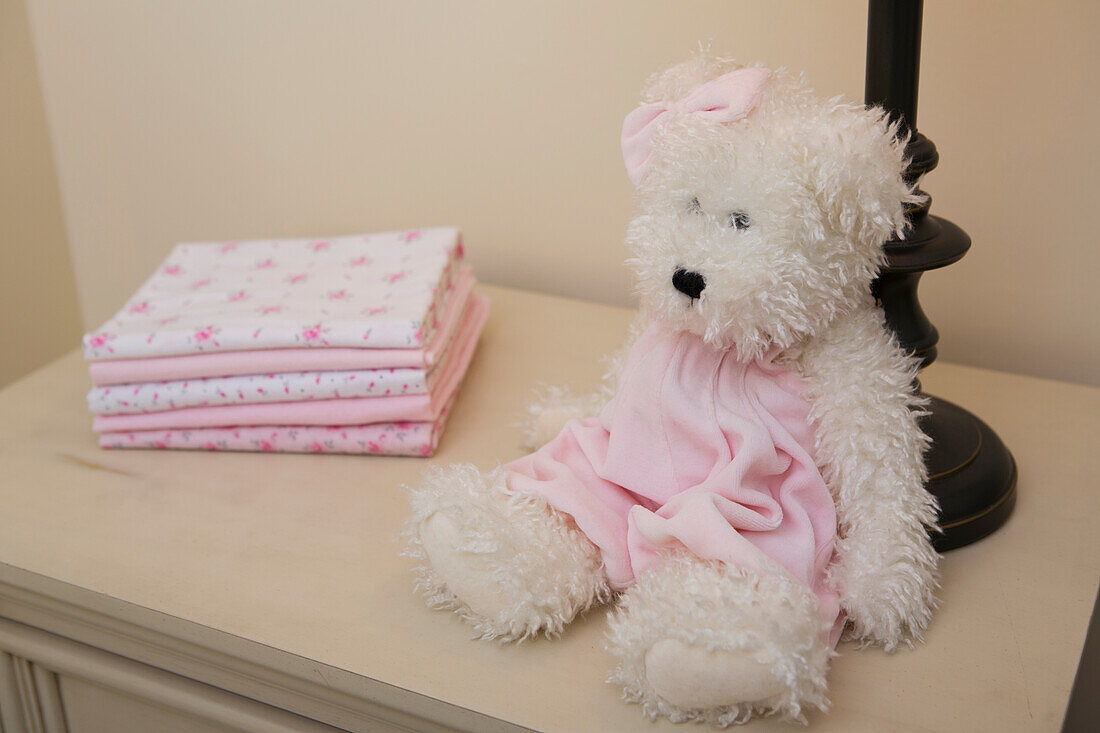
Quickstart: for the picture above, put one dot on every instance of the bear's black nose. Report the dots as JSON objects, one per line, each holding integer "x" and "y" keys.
{"x": 690, "y": 284}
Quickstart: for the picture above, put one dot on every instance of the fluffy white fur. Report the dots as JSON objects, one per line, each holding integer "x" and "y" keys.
{"x": 870, "y": 451}
{"x": 819, "y": 184}
{"x": 722, "y": 610}
{"x": 554, "y": 406}
{"x": 529, "y": 567}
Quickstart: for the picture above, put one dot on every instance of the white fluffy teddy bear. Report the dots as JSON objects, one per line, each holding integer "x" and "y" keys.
{"x": 750, "y": 482}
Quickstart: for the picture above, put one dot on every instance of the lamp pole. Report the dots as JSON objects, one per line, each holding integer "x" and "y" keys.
{"x": 971, "y": 472}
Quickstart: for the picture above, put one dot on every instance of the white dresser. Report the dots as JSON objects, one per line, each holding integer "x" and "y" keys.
{"x": 172, "y": 591}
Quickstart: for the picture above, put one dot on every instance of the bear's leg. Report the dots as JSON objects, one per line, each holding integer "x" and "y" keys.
{"x": 548, "y": 413}
{"x": 506, "y": 562}
{"x": 703, "y": 641}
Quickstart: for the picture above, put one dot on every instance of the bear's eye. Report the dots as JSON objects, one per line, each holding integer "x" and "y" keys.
{"x": 694, "y": 206}
{"x": 739, "y": 220}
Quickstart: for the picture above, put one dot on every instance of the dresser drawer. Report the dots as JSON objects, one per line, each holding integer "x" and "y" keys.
{"x": 50, "y": 684}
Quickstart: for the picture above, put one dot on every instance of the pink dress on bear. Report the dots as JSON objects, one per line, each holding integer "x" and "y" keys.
{"x": 697, "y": 451}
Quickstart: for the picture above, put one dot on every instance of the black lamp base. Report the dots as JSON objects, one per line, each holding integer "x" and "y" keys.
{"x": 971, "y": 473}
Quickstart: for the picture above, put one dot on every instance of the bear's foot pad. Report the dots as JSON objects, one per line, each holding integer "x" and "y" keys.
{"x": 693, "y": 677}
{"x": 465, "y": 574}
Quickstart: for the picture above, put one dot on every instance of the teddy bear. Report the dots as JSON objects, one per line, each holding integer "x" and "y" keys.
{"x": 747, "y": 485}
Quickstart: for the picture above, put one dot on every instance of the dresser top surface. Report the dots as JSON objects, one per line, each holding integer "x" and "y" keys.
{"x": 298, "y": 553}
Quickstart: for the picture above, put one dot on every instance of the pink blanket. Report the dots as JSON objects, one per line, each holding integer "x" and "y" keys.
{"x": 356, "y": 411}
{"x": 265, "y": 361}
{"x": 245, "y": 389}
{"x": 696, "y": 451}
{"x": 382, "y": 439}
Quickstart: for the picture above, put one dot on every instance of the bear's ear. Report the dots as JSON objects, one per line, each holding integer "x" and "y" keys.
{"x": 856, "y": 175}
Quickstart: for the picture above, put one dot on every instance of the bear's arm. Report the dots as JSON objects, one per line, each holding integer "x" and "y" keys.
{"x": 871, "y": 454}
{"x": 554, "y": 406}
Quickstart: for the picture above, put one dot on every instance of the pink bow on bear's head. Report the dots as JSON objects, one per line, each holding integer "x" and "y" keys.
{"x": 725, "y": 99}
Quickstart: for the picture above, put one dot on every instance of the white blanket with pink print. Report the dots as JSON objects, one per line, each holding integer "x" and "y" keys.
{"x": 363, "y": 291}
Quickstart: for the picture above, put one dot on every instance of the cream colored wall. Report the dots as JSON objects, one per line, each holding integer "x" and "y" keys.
{"x": 212, "y": 119}
{"x": 37, "y": 292}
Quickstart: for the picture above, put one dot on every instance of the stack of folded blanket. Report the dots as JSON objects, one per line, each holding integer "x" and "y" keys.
{"x": 344, "y": 345}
